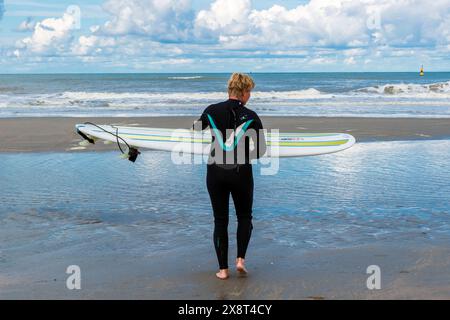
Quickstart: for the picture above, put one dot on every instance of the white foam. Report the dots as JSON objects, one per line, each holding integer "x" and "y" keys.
{"x": 185, "y": 78}
{"x": 189, "y": 96}
{"x": 310, "y": 93}
{"x": 83, "y": 95}
{"x": 410, "y": 90}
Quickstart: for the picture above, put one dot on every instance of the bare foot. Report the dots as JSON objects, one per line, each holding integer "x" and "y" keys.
{"x": 240, "y": 266}
{"x": 223, "y": 274}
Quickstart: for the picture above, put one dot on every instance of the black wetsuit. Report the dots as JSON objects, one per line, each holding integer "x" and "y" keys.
{"x": 235, "y": 177}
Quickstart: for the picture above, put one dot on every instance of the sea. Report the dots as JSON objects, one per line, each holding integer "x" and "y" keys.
{"x": 275, "y": 94}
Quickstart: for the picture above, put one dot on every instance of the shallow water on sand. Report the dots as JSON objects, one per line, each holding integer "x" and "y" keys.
{"x": 391, "y": 192}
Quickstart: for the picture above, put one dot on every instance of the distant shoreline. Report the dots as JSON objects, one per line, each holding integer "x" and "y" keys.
{"x": 57, "y": 134}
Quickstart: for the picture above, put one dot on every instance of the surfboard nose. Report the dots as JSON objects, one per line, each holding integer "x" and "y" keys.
{"x": 351, "y": 140}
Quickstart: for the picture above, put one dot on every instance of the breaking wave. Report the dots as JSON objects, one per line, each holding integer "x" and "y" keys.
{"x": 188, "y": 96}
{"x": 410, "y": 90}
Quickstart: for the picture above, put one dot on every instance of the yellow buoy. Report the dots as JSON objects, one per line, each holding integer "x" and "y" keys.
{"x": 421, "y": 71}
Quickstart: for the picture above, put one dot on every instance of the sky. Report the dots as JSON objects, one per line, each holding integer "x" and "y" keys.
{"x": 42, "y": 36}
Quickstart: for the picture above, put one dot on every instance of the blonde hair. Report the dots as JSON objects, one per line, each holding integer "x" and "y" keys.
{"x": 239, "y": 83}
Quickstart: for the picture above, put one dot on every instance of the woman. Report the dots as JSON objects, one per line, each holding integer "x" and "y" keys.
{"x": 229, "y": 172}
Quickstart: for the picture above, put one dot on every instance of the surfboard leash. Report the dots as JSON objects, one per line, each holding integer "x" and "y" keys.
{"x": 132, "y": 152}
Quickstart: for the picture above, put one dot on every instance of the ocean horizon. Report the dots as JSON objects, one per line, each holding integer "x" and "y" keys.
{"x": 331, "y": 94}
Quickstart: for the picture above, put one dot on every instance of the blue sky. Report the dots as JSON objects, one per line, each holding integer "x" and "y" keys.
{"x": 223, "y": 35}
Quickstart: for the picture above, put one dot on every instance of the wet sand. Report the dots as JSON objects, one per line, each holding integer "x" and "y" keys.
{"x": 58, "y": 134}
{"x": 275, "y": 273}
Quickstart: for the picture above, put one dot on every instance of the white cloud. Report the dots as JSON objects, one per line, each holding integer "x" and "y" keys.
{"x": 347, "y": 33}
{"x": 172, "y": 61}
{"x": 224, "y": 17}
{"x": 334, "y": 24}
{"x": 89, "y": 45}
{"x": 163, "y": 20}
{"x": 50, "y": 35}
{"x": 354, "y": 52}
{"x": 94, "y": 28}
{"x": 322, "y": 61}
{"x": 318, "y": 23}
{"x": 350, "y": 60}
{"x": 234, "y": 25}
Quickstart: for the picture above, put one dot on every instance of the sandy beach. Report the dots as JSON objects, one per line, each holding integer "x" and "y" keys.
{"x": 58, "y": 134}
{"x": 276, "y": 272}
{"x": 64, "y": 225}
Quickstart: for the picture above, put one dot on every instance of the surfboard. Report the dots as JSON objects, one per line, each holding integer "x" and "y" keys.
{"x": 199, "y": 142}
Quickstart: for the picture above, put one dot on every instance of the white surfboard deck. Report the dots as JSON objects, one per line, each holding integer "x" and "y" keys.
{"x": 199, "y": 142}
